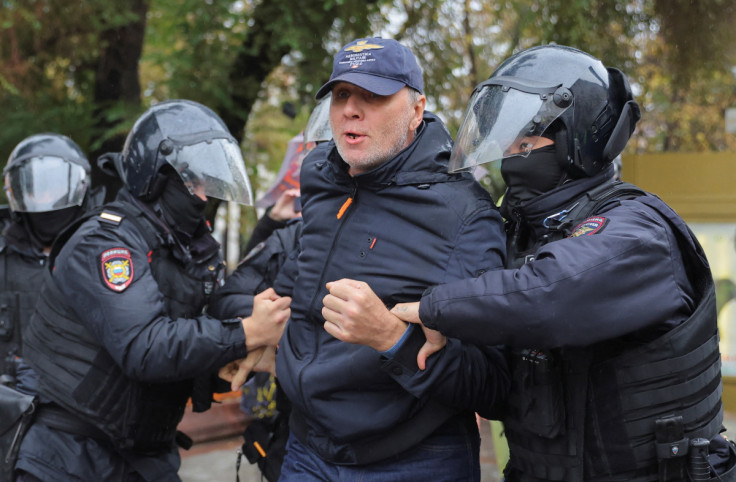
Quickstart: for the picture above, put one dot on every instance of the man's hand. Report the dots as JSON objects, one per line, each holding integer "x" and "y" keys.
{"x": 354, "y": 314}
{"x": 283, "y": 209}
{"x": 266, "y": 324}
{"x": 261, "y": 359}
{"x": 409, "y": 312}
{"x": 236, "y": 372}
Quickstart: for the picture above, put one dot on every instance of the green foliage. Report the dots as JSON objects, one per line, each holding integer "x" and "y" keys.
{"x": 189, "y": 46}
{"x": 49, "y": 50}
{"x": 460, "y": 42}
{"x": 699, "y": 36}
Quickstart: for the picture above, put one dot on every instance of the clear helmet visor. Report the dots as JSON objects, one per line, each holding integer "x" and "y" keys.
{"x": 502, "y": 121}
{"x": 211, "y": 167}
{"x": 45, "y": 183}
{"x": 318, "y": 126}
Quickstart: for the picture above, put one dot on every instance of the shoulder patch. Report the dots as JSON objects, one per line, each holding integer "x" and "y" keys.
{"x": 590, "y": 226}
{"x": 117, "y": 268}
{"x": 110, "y": 218}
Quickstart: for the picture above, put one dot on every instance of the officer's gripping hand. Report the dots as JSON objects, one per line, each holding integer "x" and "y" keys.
{"x": 409, "y": 312}
{"x": 266, "y": 323}
{"x": 261, "y": 359}
{"x": 355, "y": 314}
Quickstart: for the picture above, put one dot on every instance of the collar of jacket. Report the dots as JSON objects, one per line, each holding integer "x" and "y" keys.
{"x": 534, "y": 212}
{"x": 424, "y": 161}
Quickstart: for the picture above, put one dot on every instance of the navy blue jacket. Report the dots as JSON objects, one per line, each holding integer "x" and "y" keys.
{"x": 22, "y": 264}
{"x": 573, "y": 293}
{"x": 410, "y": 225}
{"x": 255, "y": 272}
{"x": 590, "y": 318}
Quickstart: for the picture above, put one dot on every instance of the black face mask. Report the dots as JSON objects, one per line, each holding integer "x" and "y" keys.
{"x": 47, "y": 225}
{"x": 528, "y": 177}
{"x": 184, "y": 211}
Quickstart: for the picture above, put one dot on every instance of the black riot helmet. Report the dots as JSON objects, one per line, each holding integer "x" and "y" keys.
{"x": 46, "y": 172}
{"x": 552, "y": 91}
{"x": 192, "y": 139}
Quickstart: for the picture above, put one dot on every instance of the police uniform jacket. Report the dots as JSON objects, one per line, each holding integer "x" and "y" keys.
{"x": 256, "y": 272}
{"x": 22, "y": 263}
{"x": 401, "y": 227}
{"x": 612, "y": 327}
{"x": 118, "y": 339}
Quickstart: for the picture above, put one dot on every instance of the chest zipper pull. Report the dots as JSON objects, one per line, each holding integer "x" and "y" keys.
{"x": 344, "y": 207}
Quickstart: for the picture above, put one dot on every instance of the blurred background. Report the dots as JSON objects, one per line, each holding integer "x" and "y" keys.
{"x": 88, "y": 68}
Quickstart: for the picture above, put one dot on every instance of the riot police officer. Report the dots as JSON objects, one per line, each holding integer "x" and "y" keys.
{"x": 47, "y": 182}
{"x": 607, "y": 302}
{"x": 119, "y": 340}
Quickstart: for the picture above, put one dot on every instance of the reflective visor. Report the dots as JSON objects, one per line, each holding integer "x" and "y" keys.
{"x": 502, "y": 121}
{"x": 45, "y": 183}
{"x": 213, "y": 168}
{"x": 318, "y": 126}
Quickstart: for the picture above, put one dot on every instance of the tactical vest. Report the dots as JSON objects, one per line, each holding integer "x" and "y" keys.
{"x": 20, "y": 278}
{"x": 81, "y": 377}
{"x": 609, "y": 411}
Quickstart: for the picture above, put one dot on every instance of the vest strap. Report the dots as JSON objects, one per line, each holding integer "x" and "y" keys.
{"x": 57, "y": 418}
{"x": 671, "y": 367}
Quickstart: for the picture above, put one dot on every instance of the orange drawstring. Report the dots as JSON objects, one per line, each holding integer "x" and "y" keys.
{"x": 344, "y": 207}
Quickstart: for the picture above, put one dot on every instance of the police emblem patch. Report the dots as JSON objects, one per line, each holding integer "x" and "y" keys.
{"x": 117, "y": 268}
{"x": 590, "y": 226}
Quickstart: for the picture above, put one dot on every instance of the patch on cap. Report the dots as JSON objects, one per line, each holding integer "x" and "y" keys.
{"x": 357, "y": 55}
{"x": 590, "y": 226}
{"x": 362, "y": 45}
{"x": 117, "y": 268}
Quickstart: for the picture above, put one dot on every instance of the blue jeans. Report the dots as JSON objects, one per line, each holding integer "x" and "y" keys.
{"x": 439, "y": 458}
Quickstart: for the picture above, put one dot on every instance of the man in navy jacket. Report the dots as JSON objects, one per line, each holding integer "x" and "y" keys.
{"x": 380, "y": 207}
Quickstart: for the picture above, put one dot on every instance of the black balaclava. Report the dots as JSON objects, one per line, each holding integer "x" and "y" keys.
{"x": 183, "y": 211}
{"x": 528, "y": 177}
{"x": 45, "y": 226}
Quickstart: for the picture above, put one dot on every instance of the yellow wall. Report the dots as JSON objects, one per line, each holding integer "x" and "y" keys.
{"x": 701, "y": 187}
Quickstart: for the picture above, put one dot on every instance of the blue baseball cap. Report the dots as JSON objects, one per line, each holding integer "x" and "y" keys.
{"x": 382, "y": 66}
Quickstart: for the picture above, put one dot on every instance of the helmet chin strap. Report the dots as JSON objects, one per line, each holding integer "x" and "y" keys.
{"x": 560, "y": 138}
{"x": 569, "y": 170}
{"x": 158, "y": 184}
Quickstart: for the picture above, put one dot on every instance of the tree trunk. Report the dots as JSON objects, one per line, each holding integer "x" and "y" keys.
{"x": 261, "y": 52}
{"x": 117, "y": 83}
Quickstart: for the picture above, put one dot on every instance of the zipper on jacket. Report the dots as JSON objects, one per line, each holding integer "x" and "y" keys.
{"x": 343, "y": 209}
